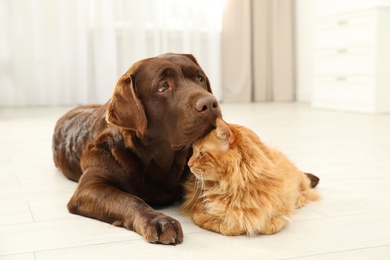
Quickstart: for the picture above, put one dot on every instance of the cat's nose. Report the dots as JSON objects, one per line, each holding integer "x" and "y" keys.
{"x": 207, "y": 104}
{"x": 190, "y": 163}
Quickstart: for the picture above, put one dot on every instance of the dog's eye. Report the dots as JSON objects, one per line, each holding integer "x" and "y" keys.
{"x": 163, "y": 87}
{"x": 200, "y": 78}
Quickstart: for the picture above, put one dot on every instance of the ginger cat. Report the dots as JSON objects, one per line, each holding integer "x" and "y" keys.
{"x": 241, "y": 186}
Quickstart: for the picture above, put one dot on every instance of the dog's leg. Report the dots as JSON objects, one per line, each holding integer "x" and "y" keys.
{"x": 95, "y": 197}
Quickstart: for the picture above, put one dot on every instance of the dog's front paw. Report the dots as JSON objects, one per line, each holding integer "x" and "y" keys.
{"x": 165, "y": 230}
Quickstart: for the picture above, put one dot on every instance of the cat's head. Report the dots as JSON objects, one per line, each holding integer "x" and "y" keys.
{"x": 211, "y": 154}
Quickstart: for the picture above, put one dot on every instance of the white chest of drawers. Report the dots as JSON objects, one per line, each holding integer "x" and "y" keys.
{"x": 352, "y": 61}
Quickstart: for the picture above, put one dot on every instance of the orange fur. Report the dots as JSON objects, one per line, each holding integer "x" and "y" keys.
{"x": 241, "y": 186}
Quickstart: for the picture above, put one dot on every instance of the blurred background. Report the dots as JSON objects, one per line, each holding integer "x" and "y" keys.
{"x": 330, "y": 53}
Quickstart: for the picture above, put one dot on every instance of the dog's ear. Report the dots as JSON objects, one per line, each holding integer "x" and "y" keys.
{"x": 208, "y": 86}
{"x": 125, "y": 109}
{"x": 192, "y": 57}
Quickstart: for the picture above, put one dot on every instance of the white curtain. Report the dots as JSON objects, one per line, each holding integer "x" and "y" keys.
{"x": 258, "y": 51}
{"x": 69, "y": 52}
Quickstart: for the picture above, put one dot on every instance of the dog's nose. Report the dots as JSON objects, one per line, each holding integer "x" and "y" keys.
{"x": 207, "y": 104}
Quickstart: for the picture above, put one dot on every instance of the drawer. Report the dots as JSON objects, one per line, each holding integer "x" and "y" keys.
{"x": 356, "y": 28}
{"x": 344, "y": 88}
{"x": 346, "y": 60}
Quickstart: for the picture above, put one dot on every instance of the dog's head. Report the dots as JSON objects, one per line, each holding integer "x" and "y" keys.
{"x": 168, "y": 97}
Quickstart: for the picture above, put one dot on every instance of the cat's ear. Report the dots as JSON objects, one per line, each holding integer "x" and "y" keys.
{"x": 224, "y": 132}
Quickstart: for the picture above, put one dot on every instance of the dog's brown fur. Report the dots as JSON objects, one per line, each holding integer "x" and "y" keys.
{"x": 133, "y": 150}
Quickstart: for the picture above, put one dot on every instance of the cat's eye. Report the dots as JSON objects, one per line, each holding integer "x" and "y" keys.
{"x": 200, "y": 78}
{"x": 201, "y": 153}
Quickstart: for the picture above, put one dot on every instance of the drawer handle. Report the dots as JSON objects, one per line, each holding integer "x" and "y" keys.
{"x": 342, "y": 51}
{"x": 341, "y": 78}
{"x": 342, "y": 23}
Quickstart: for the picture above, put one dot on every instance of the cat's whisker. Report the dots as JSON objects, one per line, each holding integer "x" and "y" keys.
{"x": 186, "y": 144}
{"x": 194, "y": 195}
{"x": 202, "y": 190}
{"x": 199, "y": 190}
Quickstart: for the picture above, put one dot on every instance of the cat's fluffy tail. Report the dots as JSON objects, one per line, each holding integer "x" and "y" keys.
{"x": 314, "y": 180}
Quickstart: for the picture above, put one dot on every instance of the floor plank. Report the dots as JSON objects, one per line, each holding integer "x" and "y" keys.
{"x": 348, "y": 151}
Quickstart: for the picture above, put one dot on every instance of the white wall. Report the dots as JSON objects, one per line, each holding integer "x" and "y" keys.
{"x": 306, "y": 12}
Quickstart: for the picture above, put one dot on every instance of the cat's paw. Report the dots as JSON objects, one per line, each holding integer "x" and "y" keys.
{"x": 275, "y": 225}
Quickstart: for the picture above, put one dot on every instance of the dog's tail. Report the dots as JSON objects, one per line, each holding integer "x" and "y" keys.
{"x": 314, "y": 180}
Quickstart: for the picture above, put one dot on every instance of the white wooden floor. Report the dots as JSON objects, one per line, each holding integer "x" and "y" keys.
{"x": 349, "y": 152}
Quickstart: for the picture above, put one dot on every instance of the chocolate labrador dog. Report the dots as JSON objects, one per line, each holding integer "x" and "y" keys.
{"x": 132, "y": 152}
